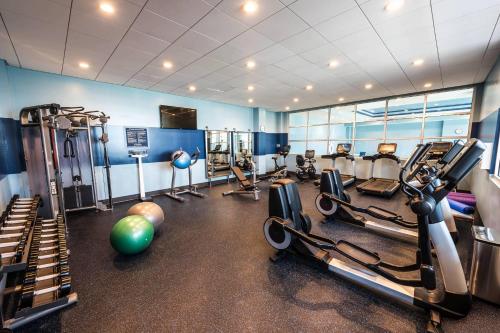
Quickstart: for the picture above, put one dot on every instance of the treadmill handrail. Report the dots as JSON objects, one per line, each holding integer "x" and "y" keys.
{"x": 375, "y": 157}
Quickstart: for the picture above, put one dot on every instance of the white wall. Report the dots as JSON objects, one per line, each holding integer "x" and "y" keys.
{"x": 483, "y": 185}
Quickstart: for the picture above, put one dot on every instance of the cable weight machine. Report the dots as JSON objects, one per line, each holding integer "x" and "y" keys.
{"x": 59, "y": 146}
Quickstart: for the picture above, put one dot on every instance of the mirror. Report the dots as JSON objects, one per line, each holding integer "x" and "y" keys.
{"x": 218, "y": 152}
{"x": 243, "y": 150}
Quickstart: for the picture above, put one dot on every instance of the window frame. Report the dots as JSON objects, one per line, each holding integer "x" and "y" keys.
{"x": 386, "y": 121}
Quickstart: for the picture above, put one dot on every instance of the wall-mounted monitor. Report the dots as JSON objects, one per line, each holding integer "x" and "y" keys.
{"x": 177, "y": 117}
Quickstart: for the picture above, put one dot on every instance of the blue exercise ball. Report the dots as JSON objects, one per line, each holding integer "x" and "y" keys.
{"x": 181, "y": 159}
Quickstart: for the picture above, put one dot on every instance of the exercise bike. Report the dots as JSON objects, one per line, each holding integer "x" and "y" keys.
{"x": 288, "y": 229}
{"x": 304, "y": 171}
{"x": 280, "y": 171}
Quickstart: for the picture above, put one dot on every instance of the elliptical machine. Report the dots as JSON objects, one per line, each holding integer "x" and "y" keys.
{"x": 182, "y": 160}
{"x": 304, "y": 171}
{"x": 335, "y": 203}
{"x": 288, "y": 230}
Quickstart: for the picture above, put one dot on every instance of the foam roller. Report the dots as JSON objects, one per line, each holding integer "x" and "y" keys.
{"x": 460, "y": 207}
{"x": 471, "y": 201}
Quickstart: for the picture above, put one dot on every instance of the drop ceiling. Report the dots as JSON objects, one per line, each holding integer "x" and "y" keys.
{"x": 291, "y": 42}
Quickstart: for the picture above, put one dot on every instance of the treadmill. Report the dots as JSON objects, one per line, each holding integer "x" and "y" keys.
{"x": 343, "y": 151}
{"x": 383, "y": 187}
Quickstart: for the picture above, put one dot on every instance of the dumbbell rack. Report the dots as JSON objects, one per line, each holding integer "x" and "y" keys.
{"x": 35, "y": 279}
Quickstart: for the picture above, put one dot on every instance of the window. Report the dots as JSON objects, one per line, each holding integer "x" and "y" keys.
{"x": 407, "y": 121}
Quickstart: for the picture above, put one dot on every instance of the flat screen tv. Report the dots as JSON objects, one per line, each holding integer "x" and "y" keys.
{"x": 177, "y": 117}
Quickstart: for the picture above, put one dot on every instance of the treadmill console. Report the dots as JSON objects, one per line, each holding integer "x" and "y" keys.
{"x": 439, "y": 149}
{"x": 387, "y": 148}
{"x": 343, "y": 148}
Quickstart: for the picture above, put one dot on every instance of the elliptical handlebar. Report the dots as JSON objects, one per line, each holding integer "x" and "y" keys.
{"x": 418, "y": 153}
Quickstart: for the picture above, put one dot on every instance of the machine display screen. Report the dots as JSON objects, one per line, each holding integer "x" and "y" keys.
{"x": 177, "y": 117}
{"x": 387, "y": 148}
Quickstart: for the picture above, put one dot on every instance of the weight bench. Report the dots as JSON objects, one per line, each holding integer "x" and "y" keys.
{"x": 245, "y": 186}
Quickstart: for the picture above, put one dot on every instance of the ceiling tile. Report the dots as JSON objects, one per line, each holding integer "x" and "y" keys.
{"x": 52, "y": 11}
{"x": 158, "y": 26}
{"x": 86, "y": 48}
{"x": 6, "y": 50}
{"x": 197, "y": 42}
{"x": 177, "y": 55}
{"x": 317, "y": 11}
{"x": 185, "y": 12}
{"x": 228, "y": 53}
{"x": 272, "y": 54}
{"x": 304, "y": 41}
{"x": 146, "y": 43}
{"x": 86, "y": 18}
{"x": 138, "y": 84}
{"x": 250, "y": 41}
{"x": 219, "y": 26}
{"x": 266, "y": 9}
{"x": 281, "y": 25}
{"x": 343, "y": 25}
{"x": 445, "y": 10}
{"x": 39, "y": 45}
{"x": 231, "y": 71}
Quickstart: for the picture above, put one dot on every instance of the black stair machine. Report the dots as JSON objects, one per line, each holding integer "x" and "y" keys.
{"x": 288, "y": 230}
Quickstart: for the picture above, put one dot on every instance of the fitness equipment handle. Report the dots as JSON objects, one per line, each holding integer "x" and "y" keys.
{"x": 418, "y": 153}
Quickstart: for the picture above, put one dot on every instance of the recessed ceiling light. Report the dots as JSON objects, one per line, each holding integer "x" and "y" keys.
{"x": 250, "y": 7}
{"x": 428, "y": 85}
{"x": 107, "y": 8}
{"x": 251, "y": 88}
{"x": 418, "y": 62}
{"x": 393, "y": 5}
{"x": 295, "y": 100}
{"x": 84, "y": 65}
{"x": 168, "y": 64}
{"x": 333, "y": 64}
{"x": 250, "y": 100}
{"x": 287, "y": 108}
{"x": 368, "y": 86}
{"x": 341, "y": 99}
{"x": 192, "y": 88}
{"x": 250, "y": 64}
{"x": 309, "y": 87}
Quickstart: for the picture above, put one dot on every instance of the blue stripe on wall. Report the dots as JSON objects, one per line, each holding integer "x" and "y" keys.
{"x": 487, "y": 130}
{"x": 266, "y": 143}
{"x": 11, "y": 151}
{"x": 163, "y": 142}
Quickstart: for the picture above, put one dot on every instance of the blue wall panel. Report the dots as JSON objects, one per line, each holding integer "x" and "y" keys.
{"x": 265, "y": 143}
{"x": 163, "y": 142}
{"x": 11, "y": 152}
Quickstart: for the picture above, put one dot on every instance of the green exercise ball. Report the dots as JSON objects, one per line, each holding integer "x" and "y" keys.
{"x": 151, "y": 211}
{"x": 132, "y": 234}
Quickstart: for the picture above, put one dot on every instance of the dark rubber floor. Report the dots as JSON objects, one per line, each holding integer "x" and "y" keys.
{"x": 208, "y": 271}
